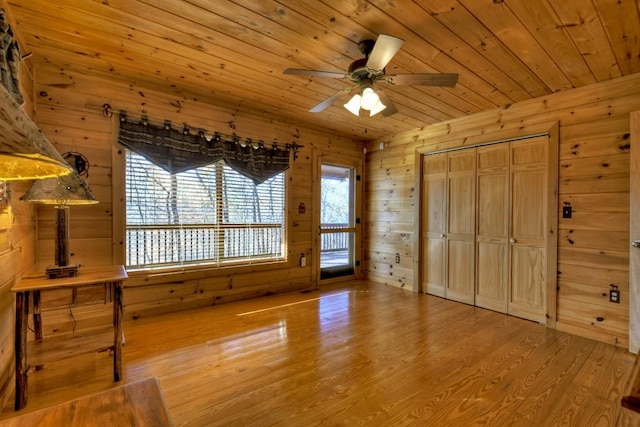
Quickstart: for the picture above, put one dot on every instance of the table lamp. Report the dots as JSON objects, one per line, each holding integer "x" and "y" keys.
{"x": 62, "y": 192}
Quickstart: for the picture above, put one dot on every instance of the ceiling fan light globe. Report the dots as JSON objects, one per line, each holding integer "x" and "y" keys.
{"x": 376, "y": 109}
{"x": 354, "y": 104}
{"x": 369, "y": 99}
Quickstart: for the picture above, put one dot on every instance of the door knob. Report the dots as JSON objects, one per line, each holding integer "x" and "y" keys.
{"x": 512, "y": 240}
{"x": 636, "y": 244}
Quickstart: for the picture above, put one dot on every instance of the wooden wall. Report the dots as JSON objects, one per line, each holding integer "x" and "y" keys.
{"x": 593, "y": 246}
{"x": 69, "y": 112}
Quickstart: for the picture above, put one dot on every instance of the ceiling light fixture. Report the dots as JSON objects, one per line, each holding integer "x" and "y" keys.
{"x": 369, "y": 100}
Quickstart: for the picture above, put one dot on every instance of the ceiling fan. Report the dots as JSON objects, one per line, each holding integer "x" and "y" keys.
{"x": 365, "y": 71}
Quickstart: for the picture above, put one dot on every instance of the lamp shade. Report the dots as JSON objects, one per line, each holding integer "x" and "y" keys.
{"x": 369, "y": 99}
{"x": 354, "y": 104}
{"x": 64, "y": 190}
{"x": 25, "y": 153}
{"x": 377, "y": 108}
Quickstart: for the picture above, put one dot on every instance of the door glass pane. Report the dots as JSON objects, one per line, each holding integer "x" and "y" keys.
{"x": 336, "y": 221}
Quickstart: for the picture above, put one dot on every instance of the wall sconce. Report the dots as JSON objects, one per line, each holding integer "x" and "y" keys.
{"x": 62, "y": 192}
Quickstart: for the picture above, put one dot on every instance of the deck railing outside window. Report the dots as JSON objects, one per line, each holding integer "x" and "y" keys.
{"x": 192, "y": 244}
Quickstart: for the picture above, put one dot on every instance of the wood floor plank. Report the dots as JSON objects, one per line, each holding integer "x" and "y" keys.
{"x": 437, "y": 372}
{"x": 356, "y": 353}
{"x": 457, "y": 399}
{"x": 384, "y": 375}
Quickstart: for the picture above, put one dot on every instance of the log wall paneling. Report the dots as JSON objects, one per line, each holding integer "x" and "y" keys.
{"x": 69, "y": 110}
{"x": 593, "y": 176}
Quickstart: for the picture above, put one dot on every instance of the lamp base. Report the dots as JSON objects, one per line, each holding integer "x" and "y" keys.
{"x": 56, "y": 271}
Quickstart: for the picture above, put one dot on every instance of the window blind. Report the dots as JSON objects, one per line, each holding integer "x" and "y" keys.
{"x": 208, "y": 215}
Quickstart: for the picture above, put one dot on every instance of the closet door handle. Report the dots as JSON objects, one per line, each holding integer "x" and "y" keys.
{"x": 442, "y": 235}
{"x": 512, "y": 240}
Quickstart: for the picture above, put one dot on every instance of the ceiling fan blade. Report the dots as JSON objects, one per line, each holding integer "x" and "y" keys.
{"x": 426, "y": 79}
{"x": 391, "y": 108}
{"x": 329, "y": 74}
{"x": 330, "y": 100}
{"x": 384, "y": 49}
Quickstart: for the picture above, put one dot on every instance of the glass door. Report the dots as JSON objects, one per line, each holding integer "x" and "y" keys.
{"x": 337, "y": 220}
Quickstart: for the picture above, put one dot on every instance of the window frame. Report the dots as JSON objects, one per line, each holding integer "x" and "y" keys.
{"x": 120, "y": 230}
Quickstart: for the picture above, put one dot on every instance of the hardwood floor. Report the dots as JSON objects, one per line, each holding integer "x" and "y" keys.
{"x": 357, "y": 354}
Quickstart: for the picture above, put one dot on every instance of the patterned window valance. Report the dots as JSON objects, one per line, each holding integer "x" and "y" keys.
{"x": 180, "y": 150}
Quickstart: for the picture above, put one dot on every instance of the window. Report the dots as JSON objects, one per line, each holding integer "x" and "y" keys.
{"x": 207, "y": 215}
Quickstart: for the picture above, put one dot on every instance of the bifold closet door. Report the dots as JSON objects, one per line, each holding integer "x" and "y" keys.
{"x": 486, "y": 212}
{"x": 460, "y": 235}
{"x": 434, "y": 211}
{"x": 527, "y": 243}
{"x": 492, "y": 238}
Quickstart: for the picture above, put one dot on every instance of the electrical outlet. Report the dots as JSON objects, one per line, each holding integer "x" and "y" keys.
{"x": 614, "y": 296}
{"x": 397, "y": 258}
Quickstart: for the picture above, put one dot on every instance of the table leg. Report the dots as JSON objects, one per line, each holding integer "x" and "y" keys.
{"x": 37, "y": 319}
{"x": 37, "y": 316}
{"x": 117, "y": 331}
{"x": 22, "y": 306}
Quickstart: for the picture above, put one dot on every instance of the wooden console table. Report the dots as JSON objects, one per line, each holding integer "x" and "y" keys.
{"x": 59, "y": 348}
{"x": 137, "y": 404}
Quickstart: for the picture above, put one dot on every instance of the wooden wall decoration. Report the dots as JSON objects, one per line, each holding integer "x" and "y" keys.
{"x": 9, "y": 60}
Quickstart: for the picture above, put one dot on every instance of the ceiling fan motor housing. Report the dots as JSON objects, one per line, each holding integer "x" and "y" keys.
{"x": 358, "y": 71}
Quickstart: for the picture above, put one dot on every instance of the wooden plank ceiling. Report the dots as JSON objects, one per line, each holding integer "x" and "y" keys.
{"x": 232, "y": 52}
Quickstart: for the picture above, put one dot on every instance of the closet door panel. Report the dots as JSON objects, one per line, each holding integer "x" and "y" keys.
{"x": 529, "y": 200}
{"x": 493, "y": 203}
{"x": 461, "y": 205}
{"x": 528, "y": 280}
{"x": 434, "y": 269}
{"x": 434, "y": 211}
{"x": 492, "y": 256}
{"x": 461, "y": 215}
{"x": 493, "y": 276}
{"x": 461, "y": 272}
